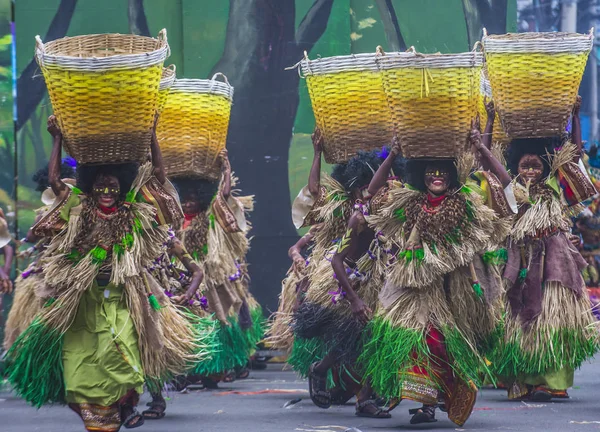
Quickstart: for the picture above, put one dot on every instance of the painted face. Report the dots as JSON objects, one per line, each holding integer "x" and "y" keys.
{"x": 191, "y": 204}
{"x": 437, "y": 179}
{"x": 531, "y": 168}
{"x": 106, "y": 190}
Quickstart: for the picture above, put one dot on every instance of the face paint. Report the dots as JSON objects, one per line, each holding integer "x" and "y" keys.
{"x": 437, "y": 180}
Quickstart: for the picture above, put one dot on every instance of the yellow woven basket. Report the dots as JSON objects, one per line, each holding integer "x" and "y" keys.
{"x": 349, "y": 104}
{"x": 166, "y": 81}
{"x": 432, "y": 99}
{"x": 104, "y": 92}
{"x": 535, "y": 78}
{"x": 485, "y": 92}
{"x": 192, "y": 129}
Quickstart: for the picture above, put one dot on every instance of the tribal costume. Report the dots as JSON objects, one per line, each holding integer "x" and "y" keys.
{"x": 106, "y": 325}
{"x": 549, "y": 324}
{"x": 216, "y": 239}
{"x": 434, "y": 306}
{"x": 331, "y": 209}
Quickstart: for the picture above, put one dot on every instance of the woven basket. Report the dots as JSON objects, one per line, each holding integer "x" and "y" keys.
{"x": 192, "y": 129}
{"x": 535, "y": 78}
{"x": 166, "y": 81}
{"x": 432, "y": 99}
{"x": 485, "y": 92}
{"x": 104, "y": 92}
{"x": 349, "y": 104}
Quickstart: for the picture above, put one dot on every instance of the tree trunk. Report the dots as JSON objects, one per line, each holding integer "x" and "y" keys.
{"x": 137, "y": 18}
{"x": 390, "y": 25}
{"x": 30, "y": 91}
{"x": 261, "y": 42}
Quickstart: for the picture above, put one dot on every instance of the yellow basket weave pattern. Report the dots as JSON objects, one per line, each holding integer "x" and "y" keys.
{"x": 485, "y": 90}
{"x": 166, "y": 81}
{"x": 535, "y": 78}
{"x": 104, "y": 92}
{"x": 349, "y": 104}
{"x": 192, "y": 129}
{"x": 432, "y": 99}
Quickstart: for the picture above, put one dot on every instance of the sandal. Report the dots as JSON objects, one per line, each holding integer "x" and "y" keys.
{"x": 425, "y": 414}
{"x": 156, "y": 411}
{"x": 541, "y": 394}
{"x": 375, "y": 413}
{"x": 243, "y": 373}
{"x": 229, "y": 377}
{"x": 130, "y": 417}
{"x": 317, "y": 386}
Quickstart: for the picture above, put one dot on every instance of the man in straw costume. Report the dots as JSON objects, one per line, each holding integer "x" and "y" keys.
{"x": 106, "y": 325}
{"x": 320, "y": 206}
{"x": 211, "y": 234}
{"x": 422, "y": 346}
{"x": 29, "y": 284}
{"x": 549, "y": 327}
{"x": 338, "y": 304}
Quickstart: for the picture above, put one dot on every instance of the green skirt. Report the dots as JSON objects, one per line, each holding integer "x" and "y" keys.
{"x": 101, "y": 357}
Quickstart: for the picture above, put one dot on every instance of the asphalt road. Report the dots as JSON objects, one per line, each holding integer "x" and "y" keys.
{"x": 257, "y": 405}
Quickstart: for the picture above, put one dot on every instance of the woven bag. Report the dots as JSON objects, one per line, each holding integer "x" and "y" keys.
{"x": 166, "y": 81}
{"x": 485, "y": 93}
{"x": 193, "y": 125}
{"x": 349, "y": 104}
{"x": 432, "y": 99}
{"x": 535, "y": 78}
{"x": 104, "y": 92}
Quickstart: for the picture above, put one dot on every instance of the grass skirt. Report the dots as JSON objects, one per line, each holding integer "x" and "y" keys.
{"x": 563, "y": 335}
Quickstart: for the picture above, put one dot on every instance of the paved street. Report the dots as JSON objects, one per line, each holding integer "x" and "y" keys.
{"x": 256, "y": 405}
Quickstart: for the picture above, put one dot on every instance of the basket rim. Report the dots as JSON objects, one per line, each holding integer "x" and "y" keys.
{"x": 485, "y": 88}
{"x": 434, "y": 61}
{"x": 117, "y": 61}
{"x": 168, "y": 77}
{"x": 203, "y": 86}
{"x": 541, "y": 42}
{"x": 344, "y": 63}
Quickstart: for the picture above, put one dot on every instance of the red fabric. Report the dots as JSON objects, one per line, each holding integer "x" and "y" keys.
{"x": 107, "y": 210}
{"x": 438, "y": 357}
{"x": 434, "y": 201}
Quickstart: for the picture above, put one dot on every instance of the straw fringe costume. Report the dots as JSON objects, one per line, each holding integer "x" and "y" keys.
{"x": 95, "y": 341}
{"x": 434, "y": 310}
{"x": 217, "y": 250}
{"x": 549, "y": 323}
{"x": 332, "y": 210}
{"x": 26, "y": 303}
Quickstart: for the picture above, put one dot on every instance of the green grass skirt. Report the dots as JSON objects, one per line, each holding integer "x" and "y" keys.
{"x": 231, "y": 350}
{"x": 391, "y": 350}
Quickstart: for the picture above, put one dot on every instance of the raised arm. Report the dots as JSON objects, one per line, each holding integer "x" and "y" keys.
{"x": 157, "y": 160}
{"x": 226, "y": 170}
{"x": 176, "y": 248}
{"x": 383, "y": 172}
{"x": 349, "y": 246}
{"x": 59, "y": 188}
{"x": 489, "y": 124}
{"x": 576, "y": 129}
{"x": 314, "y": 178}
{"x": 487, "y": 158}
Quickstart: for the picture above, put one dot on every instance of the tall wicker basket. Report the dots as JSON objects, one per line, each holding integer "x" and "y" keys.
{"x": 432, "y": 99}
{"x": 349, "y": 104}
{"x": 104, "y": 92}
{"x": 193, "y": 125}
{"x": 485, "y": 89}
{"x": 166, "y": 81}
{"x": 535, "y": 78}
